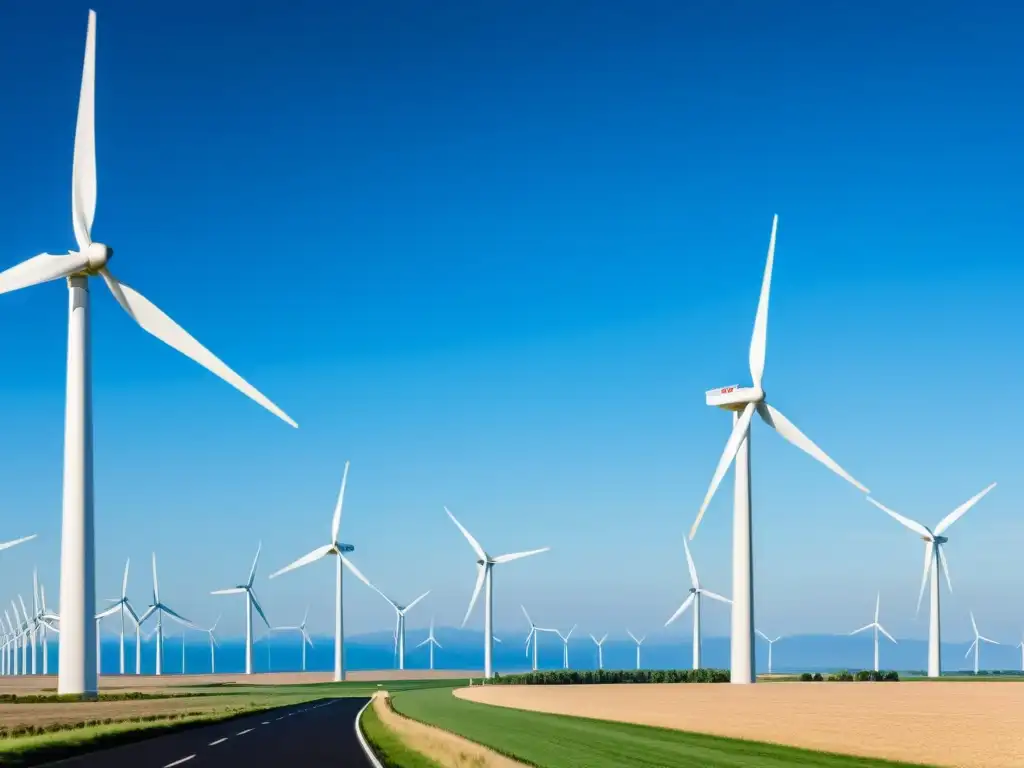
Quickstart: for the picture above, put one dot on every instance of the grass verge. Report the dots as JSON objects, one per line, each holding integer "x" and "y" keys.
{"x": 559, "y": 741}
{"x": 388, "y": 746}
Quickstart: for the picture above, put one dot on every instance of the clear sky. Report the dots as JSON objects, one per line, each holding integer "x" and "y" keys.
{"x": 494, "y": 254}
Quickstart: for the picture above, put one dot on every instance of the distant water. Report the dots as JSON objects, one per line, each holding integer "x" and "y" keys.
{"x": 463, "y": 650}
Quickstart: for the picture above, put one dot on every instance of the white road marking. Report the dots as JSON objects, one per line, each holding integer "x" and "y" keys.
{"x": 179, "y": 762}
{"x": 242, "y": 733}
{"x": 281, "y": 717}
{"x": 265, "y": 722}
{"x": 218, "y": 741}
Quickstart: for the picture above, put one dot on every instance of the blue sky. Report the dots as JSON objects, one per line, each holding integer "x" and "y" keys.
{"x": 494, "y": 254}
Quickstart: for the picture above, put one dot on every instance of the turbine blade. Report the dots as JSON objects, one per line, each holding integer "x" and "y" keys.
{"x": 878, "y": 604}
{"x": 633, "y": 636}
{"x": 231, "y": 591}
{"x": 519, "y": 555}
{"x": 146, "y": 614}
{"x": 359, "y": 575}
{"x": 312, "y": 557}
{"x": 16, "y": 542}
{"x": 83, "y": 174}
{"x": 715, "y": 596}
{"x": 410, "y": 605}
{"x": 970, "y": 648}
{"x": 109, "y": 612}
{"x": 960, "y": 511}
{"x": 469, "y": 537}
{"x": 155, "y": 322}
{"x": 156, "y": 584}
{"x": 945, "y": 566}
{"x": 906, "y": 522}
{"x": 420, "y": 645}
{"x": 868, "y": 626}
{"x": 690, "y": 565}
{"x": 732, "y": 445}
{"x": 759, "y": 339}
{"x": 528, "y": 619}
{"x": 775, "y": 419}
{"x": 882, "y": 630}
{"x": 259, "y": 608}
{"x": 41, "y": 269}
{"x": 481, "y": 573}
{"x": 762, "y": 634}
{"x": 924, "y": 576}
{"x": 124, "y": 581}
{"x": 177, "y": 617}
{"x": 973, "y": 625}
{"x": 336, "y": 520}
{"x": 987, "y": 640}
{"x": 252, "y": 573}
{"x": 679, "y": 611}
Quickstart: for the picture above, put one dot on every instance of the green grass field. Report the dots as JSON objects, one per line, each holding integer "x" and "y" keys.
{"x": 556, "y": 741}
{"x": 391, "y": 750}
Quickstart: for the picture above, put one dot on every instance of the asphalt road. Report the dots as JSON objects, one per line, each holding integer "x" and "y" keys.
{"x": 316, "y": 733}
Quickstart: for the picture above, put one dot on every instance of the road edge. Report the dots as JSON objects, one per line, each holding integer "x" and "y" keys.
{"x": 363, "y": 743}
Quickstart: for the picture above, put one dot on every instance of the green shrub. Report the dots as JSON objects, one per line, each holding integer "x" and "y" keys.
{"x": 864, "y": 675}
{"x": 604, "y": 676}
{"x": 806, "y": 677}
{"x": 891, "y": 675}
{"x": 817, "y": 677}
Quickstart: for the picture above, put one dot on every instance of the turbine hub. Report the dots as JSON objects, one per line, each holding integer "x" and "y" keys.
{"x": 693, "y": 590}
{"x": 734, "y": 397}
{"x": 98, "y": 255}
{"x": 940, "y": 539}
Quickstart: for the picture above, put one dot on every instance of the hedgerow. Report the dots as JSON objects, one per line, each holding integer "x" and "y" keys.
{"x": 604, "y": 676}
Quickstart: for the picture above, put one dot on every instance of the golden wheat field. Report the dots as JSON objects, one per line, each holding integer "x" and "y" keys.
{"x": 964, "y": 724}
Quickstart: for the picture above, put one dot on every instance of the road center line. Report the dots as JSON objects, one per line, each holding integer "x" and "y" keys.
{"x": 242, "y": 733}
{"x": 218, "y": 741}
{"x": 179, "y": 762}
{"x": 265, "y": 722}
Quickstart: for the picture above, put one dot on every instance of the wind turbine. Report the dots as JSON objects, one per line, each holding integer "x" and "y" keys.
{"x": 696, "y": 592}
{"x": 638, "y": 644}
{"x": 743, "y": 401}
{"x": 250, "y": 603}
{"x": 1021, "y": 646}
{"x": 565, "y": 646}
{"x": 485, "y": 564}
{"x": 213, "y": 645}
{"x": 770, "y": 644}
{"x": 77, "y": 598}
{"x": 976, "y": 645}
{"x": 432, "y": 642}
{"x": 301, "y": 629}
{"x": 46, "y": 620}
{"x": 534, "y": 629}
{"x": 160, "y": 609}
{"x": 400, "y": 611}
{"x": 334, "y": 548}
{"x": 12, "y": 649}
{"x": 934, "y": 555}
{"x": 27, "y": 634}
{"x": 599, "y": 643}
{"x": 877, "y": 627}
{"x": 122, "y": 605}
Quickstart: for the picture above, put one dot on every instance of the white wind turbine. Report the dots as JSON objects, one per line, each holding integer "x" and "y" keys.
{"x": 432, "y": 642}
{"x": 532, "y": 637}
{"x": 338, "y": 549}
{"x": 250, "y": 603}
{"x": 30, "y": 634}
{"x": 743, "y": 401}
{"x": 934, "y": 555}
{"x": 638, "y": 642}
{"x": 1021, "y": 646}
{"x": 46, "y": 620}
{"x": 600, "y": 655}
{"x": 160, "y": 609}
{"x": 12, "y": 647}
{"x": 213, "y": 645}
{"x": 771, "y": 644}
{"x": 77, "y": 582}
{"x": 696, "y": 592}
{"x": 121, "y": 605}
{"x": 565, "y": 645}
{"x": 303, "y": 635}
{"x": 876, "y": 627}
{"x": 976, "y": 645}
{"x": 400, "y": 611}
{"x": 485, "y": 563}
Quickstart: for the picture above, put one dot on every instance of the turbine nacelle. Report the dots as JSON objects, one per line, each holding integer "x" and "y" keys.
{"x": 734, "y": 397}
{"x": 98, "y": 255}
{"x": 341, "y": 549}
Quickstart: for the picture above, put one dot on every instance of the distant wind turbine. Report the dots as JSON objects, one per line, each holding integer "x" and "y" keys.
{"x": 770, "y": 644}
{"x": 638, "y": 644}
{"x": 696, "y": 592}
{"x": 532, "y": 637}
{"x": 336, "y": 548}
{"x": 250, "y": 603}
{"x": 485, "y": 563}
{"x": 934, "y": 555}
{"x": 122, "y": 605}
{"x": 876, "y": 627}
{"x": 599, "y": 643}
{"x": 213, "y": 645}
{"x": 1021, "y": 646}
{"x": 160, "y": 609}
{"x": 976, "y": 645}
{"x": 400, "y": 611}
{"x": 565, "y": 646}
{"x": 303, "y": 636}
{"x": 431, "y": 641}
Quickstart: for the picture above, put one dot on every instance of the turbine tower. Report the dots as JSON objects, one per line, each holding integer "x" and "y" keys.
{"x": 334, "y": 548}
{"x": 638, "y": 642}
{"x": 600, "y": 655}
{"x": 976, "y": 645}
{"x": 743, "y": 401}
{"x": 934, "y": 555}
{"x": 301, "y": 629}
{"x": 876, "y": 627}
{"x": 771, "y": 643}
{"x": 696, "y": 592}
{"x": 77, "y": 579}
{"x": 432, "y": 641}
{"x": 565, "y": 645}
{"x": 485, "y": 564}
{"x": 250, "y": 603}
{"x": 160, "y": 609}
{"x": 213, "y": 646}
